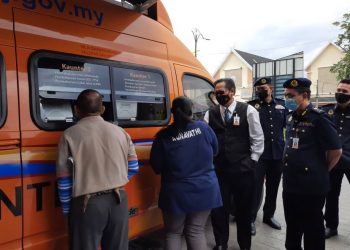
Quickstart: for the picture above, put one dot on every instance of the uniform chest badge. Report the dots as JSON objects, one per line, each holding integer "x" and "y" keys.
{"x": 330, "y": 112}
{"x": 278, "y": 106}
{"x": 257, "y": 106}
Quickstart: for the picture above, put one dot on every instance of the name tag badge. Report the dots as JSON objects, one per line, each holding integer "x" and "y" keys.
{"x": 278, "y": 106}
{"x": 236, "y": 120}
{"x": 295, "y": 144}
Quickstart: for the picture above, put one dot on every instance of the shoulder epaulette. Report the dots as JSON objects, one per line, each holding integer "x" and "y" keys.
{"x": 328, "y": 106}
{"x": 317, "y": 111}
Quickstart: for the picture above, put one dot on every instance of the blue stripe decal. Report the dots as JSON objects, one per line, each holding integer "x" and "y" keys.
{"x": 14, "y": 170}
{"x": 10, "y": 170}
{"x": 39, "y": 168}
{"x": 143, "y": 143}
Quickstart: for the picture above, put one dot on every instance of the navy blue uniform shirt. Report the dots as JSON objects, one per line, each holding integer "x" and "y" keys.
{"x": 308, "y": 137}
{"x": 341, "y": 119}
{"x": 273, "y": 120}
{"x": 185, "y": 162}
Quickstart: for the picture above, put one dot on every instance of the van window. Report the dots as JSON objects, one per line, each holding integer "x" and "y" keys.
{"x": 198, "y": 90}
{"x": 133, "y": 95}
{"x": 139, "y": 95}
{"x": 58, "y": 80}
{"x": 3, "y": 104}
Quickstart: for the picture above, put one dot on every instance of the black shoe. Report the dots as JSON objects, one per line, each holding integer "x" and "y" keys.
{"x": 220, "y": 247}
{"x": 252, "y": 229}
{"x": 330, "y": 232}
{"x": 272, "y": 223}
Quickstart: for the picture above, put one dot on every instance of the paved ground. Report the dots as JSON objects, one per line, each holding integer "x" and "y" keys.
{"x": 270, "y": 239}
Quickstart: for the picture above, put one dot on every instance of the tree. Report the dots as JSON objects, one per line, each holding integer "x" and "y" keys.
{"x": 342, "y": 68}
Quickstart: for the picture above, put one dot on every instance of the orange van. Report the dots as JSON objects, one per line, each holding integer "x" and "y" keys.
{"x": 50, "y": 50}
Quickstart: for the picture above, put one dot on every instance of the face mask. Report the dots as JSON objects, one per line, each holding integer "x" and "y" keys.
{"x": 342, "y": 98}
{"x": 223, "y": 99}
{"x": 291, "y": 104}
{"x": 262, "y": 94}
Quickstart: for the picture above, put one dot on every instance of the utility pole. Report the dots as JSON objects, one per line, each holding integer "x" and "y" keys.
{"x": 317, "y": 85}
{"x": 197, "y": 35}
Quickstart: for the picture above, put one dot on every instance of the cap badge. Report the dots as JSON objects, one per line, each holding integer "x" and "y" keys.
{"x": 294, "y": 83}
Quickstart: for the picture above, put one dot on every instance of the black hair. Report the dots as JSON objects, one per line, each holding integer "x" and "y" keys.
{"x": 229, "y": 83}
{"x": 304, "y": 90}
{"x": 182, "y": 111}
{"x": 88, "y": 104}
{"x": 346, "y": 81}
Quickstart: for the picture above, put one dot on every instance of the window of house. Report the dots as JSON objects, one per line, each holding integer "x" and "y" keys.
{"x": 198, "y": 90}
{"x": 3, "y": 104}
{"x": 133, "y": 97}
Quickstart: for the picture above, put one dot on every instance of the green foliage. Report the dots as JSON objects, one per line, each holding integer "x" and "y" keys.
{"x": 342, "y": 68}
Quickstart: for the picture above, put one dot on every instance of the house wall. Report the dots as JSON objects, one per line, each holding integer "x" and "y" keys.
{"x": 326, "y": 80}
{"x": 244, "y": 82}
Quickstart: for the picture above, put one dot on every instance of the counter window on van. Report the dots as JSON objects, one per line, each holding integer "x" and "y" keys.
{"x": 3, "y": 103}
{"x": 133, "y": 96}
{"x": 139, "y": 95}
{"x": 58, "y": 84}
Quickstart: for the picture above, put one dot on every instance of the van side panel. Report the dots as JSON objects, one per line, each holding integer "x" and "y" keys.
{"x": 10, "y": 165}
{"x": 44, "y": 225}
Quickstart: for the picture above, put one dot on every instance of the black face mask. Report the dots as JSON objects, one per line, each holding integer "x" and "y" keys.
{"x": 262, "y": 94}
{"x": 223, "y": 99}
{"x": 342, "y": 98}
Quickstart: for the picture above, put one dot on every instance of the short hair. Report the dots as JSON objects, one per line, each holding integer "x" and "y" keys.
{"x": 89, "y": 104}
{"x": 229, "y": 83}
{"x": 346, "y": 81}
{"x": 304, "y": 90}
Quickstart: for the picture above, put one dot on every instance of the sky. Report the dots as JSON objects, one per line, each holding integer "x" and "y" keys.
{"x": 269, "y": 28}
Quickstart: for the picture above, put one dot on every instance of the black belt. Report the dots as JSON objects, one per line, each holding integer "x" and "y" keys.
{"x": 102, "y": 192}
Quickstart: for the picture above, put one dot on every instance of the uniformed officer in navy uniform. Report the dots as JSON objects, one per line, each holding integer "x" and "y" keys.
{"x": 312, "y": 149}
{"x": 272, "y": 114}
{"x": 340, "y": 114}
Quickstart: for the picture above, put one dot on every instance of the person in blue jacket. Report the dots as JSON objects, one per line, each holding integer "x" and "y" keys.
{"x": 183, "y": 155}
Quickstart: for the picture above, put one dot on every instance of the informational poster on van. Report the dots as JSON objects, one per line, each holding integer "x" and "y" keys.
{"x": 66, "y": 79}
{"x": 137, "y": 84}
{"x": 126, "y": 110}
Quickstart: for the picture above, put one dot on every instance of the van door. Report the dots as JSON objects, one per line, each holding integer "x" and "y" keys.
{"x": 194, "y": 84}
{"x": 10, "y": 165}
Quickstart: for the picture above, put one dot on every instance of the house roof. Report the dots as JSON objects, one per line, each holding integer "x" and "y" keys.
{"x": 251, "y": 58}
{"x": 321, "y": 52}
{"x": 245, "y": 57}
{"x": 298, "y": 54}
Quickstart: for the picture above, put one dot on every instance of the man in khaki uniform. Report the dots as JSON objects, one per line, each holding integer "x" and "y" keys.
{"x": 92, "y": 191}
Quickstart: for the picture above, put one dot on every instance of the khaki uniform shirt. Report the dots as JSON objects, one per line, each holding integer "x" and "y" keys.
{"x": 100, "y": 151}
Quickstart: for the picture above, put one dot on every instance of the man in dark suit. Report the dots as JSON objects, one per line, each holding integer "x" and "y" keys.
{"x": 241, "y": 142}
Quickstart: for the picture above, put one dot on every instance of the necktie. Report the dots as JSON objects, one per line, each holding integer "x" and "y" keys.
{"x": 227, "y": 115}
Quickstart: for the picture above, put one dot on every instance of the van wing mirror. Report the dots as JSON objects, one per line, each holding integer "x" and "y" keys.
{"x": 212, "y": 97}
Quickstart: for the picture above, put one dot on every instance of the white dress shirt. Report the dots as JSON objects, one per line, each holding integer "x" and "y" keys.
{"x": 256, "y": 133}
